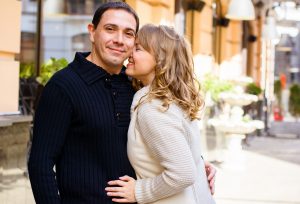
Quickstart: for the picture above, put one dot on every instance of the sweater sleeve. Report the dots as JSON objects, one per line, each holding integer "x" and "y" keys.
{"x": 163, "y": 133}
{"x": 52, "y": 120}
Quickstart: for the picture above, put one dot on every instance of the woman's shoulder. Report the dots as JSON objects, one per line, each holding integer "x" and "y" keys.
{"x": 140, "y": 93}
{"x": 156, "y": 105}
{"x": 138, "y": 96}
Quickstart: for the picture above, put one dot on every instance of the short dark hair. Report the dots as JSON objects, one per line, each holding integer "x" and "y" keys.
{"x": 114, "y": 5}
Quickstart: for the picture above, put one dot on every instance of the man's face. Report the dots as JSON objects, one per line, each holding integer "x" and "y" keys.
{"x": 113, "y": 39}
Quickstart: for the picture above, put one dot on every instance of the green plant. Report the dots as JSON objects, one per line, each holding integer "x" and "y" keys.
{"x": 277, "y": 90}
{"x": 252, "y": 88}
{"x": 294, "y": 100}
{"x": 26, "y": 70}
{"x": 215, "y": 86}
{"x": 49, "y": 68}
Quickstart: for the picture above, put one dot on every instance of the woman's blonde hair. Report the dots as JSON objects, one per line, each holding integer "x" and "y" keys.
{"x": 174, "y": 72}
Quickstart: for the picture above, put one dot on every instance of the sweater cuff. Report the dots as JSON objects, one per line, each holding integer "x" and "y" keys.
{"x": 139, "y": 191}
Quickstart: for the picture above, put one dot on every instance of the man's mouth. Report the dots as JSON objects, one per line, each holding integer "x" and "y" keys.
{"x": 117, "y": 50}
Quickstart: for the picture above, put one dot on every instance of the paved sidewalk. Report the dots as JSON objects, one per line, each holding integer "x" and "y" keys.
{"x": 15, "y": 187}
{"x": 266, "y": 172}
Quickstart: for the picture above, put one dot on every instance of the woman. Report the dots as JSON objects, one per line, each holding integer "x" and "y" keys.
{"x": 163, "y": 136}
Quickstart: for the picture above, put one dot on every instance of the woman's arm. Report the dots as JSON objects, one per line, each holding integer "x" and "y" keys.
{"x": 163, "y": 133}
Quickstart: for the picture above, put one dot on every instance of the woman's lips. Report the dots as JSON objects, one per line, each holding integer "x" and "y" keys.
{"x": 130, "y": 65}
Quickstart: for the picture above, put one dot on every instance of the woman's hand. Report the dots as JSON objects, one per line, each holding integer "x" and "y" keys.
{"x": 125, "y": 190}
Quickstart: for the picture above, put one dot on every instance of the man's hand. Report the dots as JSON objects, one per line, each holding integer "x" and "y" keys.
{"x": 125, "y": 190}
{"x": 211, "y": 176}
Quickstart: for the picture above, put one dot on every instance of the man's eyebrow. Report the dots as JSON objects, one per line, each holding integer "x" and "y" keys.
{"x": 131, "y": 29}
{"x": 110, "y": 24}
{"x": 115, "y": 25}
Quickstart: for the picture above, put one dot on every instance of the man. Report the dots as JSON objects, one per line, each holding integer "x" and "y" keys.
{"x": 83, "y": 115}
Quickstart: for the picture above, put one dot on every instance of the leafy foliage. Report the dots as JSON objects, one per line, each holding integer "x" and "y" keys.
{"x": 215, "y": 86}
{"x": 252, "y": 88}
{"x": 26, "y": 70}
{"x": 294, "y": 100}
{"x": 49, "y": 68}
{"x": 277, "y": 90}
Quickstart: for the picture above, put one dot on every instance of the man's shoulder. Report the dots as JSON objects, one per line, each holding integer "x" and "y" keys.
{"x": 65, "y": 76}
{"x": 64, "y": 73}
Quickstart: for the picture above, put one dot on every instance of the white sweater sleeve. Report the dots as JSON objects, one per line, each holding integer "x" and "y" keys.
{"x": 164, "y": 135}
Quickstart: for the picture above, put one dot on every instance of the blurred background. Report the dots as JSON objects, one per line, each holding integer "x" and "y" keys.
{"x": 246, "y": 57}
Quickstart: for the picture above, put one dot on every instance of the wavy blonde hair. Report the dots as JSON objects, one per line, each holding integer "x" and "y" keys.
{"x": 174, "y": 80}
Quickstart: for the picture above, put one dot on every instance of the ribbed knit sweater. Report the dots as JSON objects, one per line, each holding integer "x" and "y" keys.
{"x": 81, "y": 128}
{"x": 164, "y": 149}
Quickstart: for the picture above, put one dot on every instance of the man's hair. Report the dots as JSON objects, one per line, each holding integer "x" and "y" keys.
{"x": 114, "y": 5}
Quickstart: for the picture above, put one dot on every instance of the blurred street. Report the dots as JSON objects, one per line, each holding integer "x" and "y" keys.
{"x": 267, "y": 171}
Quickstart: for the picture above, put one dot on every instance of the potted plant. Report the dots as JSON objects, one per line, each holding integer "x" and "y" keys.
{"x": 294, "y": 100}
{"x": 277, "y": 90}
{"x": 47, "y": 70}
{"x": 252, "y": 88}
{"x": 26, "y": 70}
{"x": 31, "y": 86}
{"x": 215, "y": 86}
{"x": 254, "y": 109}
{"x": 277, "y": 109}
{"x": 28, "y": 87}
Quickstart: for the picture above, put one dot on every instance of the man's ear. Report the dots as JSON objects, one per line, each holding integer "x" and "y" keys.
{"x": 91, "y": 29}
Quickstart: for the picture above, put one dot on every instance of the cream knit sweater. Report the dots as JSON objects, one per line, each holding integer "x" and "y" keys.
{"x": 164, "y": 150}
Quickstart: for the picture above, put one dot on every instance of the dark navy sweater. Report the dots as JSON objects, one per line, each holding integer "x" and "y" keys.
{"x": 81, "y": 128}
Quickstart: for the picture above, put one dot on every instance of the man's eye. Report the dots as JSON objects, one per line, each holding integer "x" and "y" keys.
{"x": 130, "y": 34}
{"x": 109, "y": 28}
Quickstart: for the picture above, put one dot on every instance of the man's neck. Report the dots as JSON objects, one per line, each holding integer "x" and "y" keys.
{"x": 111, "y": 70}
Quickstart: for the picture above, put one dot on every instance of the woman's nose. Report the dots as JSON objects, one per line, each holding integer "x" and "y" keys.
{"x": 130, "y": 59}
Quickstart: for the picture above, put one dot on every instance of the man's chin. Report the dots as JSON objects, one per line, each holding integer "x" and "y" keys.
{"x": 116, "y": 63}
{"x": 118, "y": 60}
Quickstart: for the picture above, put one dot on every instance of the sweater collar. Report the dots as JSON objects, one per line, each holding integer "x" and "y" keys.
{"x": 138, "y": 95}
{"x": 89, "y": 71}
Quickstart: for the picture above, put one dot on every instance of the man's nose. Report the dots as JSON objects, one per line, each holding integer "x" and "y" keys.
{"x": 119, "y": 38}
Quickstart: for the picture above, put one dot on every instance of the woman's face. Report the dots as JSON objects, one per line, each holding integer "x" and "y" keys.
{"x": 141, "y": 65}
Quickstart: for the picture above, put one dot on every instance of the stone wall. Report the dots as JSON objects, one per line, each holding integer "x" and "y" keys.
{"x": 14, "y": 137}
